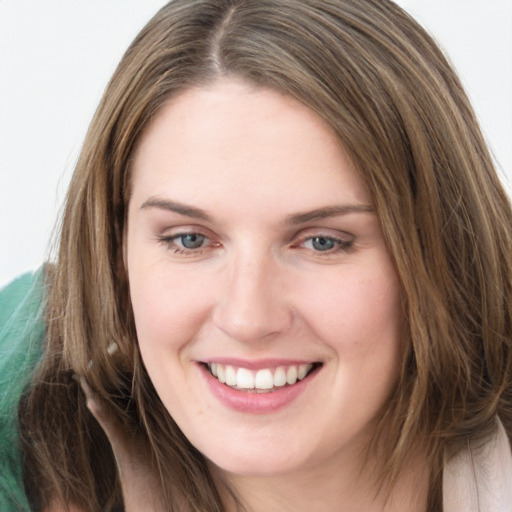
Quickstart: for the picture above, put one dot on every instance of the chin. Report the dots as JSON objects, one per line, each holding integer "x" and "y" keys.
{"x": 261, "y": 464}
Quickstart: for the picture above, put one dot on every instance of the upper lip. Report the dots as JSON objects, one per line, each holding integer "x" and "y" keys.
{"x": 257, "y": 364}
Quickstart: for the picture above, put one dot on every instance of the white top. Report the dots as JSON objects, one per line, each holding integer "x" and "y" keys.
{"x": 479, "y": 478}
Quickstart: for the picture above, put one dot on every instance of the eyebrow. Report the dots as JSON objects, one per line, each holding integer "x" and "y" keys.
{"x": 328, "y": 211}
{"x": 173, "y": 206}
{"x": 293, "y": 219}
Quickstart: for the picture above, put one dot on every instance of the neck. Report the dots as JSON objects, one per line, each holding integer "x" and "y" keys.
{"x": 327, "y": 488}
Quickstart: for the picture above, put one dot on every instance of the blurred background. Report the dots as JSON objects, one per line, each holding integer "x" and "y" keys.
{"x": 56, "y": 57}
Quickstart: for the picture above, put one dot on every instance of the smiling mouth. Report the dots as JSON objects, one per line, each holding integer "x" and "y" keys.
{"x": 264, "y": 380}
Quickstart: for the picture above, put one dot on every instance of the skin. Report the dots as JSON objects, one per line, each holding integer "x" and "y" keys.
{"x": 259, "y": 287}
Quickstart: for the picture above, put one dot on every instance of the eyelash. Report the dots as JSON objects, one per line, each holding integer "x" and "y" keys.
{"x": 169, "y": 241}
{"x": 339, "y": 246}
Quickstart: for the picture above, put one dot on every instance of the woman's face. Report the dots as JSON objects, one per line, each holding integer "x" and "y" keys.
{"x": 266, "y": 304}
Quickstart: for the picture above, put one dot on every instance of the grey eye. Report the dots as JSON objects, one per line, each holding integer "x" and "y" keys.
{"x": 321, "y": 243}
{"x": 192, "y": 240}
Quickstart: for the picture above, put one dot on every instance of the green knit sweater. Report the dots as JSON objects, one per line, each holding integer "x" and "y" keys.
{"x": 22, "y": 331}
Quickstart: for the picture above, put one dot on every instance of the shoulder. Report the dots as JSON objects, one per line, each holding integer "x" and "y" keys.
{"x": 21, "y": 301}
{"x": 479, "y": 477}
{"x": 22, "y": 330}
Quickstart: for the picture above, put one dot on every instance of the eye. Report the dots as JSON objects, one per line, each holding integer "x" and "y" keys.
{"x": 322, "y": 243}
{"x": 190, "y": 240}
{"x": 187, "y": 243}
{"x": 327, "y": 244}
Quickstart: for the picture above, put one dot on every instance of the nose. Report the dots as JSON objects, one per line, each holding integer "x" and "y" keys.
{"x": 253, "y": 303}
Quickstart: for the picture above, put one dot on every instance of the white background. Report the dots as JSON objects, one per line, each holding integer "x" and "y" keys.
{"x": 56, "y": 57}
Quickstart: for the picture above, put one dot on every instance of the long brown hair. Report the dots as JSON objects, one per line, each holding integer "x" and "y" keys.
{"x": 400, "y": 112}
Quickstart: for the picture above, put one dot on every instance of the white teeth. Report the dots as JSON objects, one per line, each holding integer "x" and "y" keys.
{"x": 221, "y": 375}
{"x": 244, "y": 379}
{"x": 303, "y": 370}
{"x": 279, "y": 377}
{"x": 291, "y": 375}
{"x": 264, "y": 379}
{"x": 230, "y": 376}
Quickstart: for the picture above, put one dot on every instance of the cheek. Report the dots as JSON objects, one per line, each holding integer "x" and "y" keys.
{"x": 360, "y": 311}
{"x": 167, "y": 315}
{"x": 361, "y": 322}
{"x": 166, "y": 309}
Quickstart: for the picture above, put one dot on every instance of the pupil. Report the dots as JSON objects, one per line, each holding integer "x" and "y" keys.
{"x": 321, "y": 243}
{"x": 192, "y": 241}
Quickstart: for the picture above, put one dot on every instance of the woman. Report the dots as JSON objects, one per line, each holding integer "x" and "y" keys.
{"x": 283, "y": 277}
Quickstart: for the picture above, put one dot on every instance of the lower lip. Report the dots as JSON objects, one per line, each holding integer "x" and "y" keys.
{"x": 256, "y": 403}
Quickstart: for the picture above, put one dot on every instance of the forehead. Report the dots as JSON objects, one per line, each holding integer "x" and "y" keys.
{"x": 230, "y": 139}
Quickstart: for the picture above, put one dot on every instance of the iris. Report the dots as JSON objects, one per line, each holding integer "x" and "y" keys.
{"x": 321, "y": 243}
{"x": 192, "y": 240}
